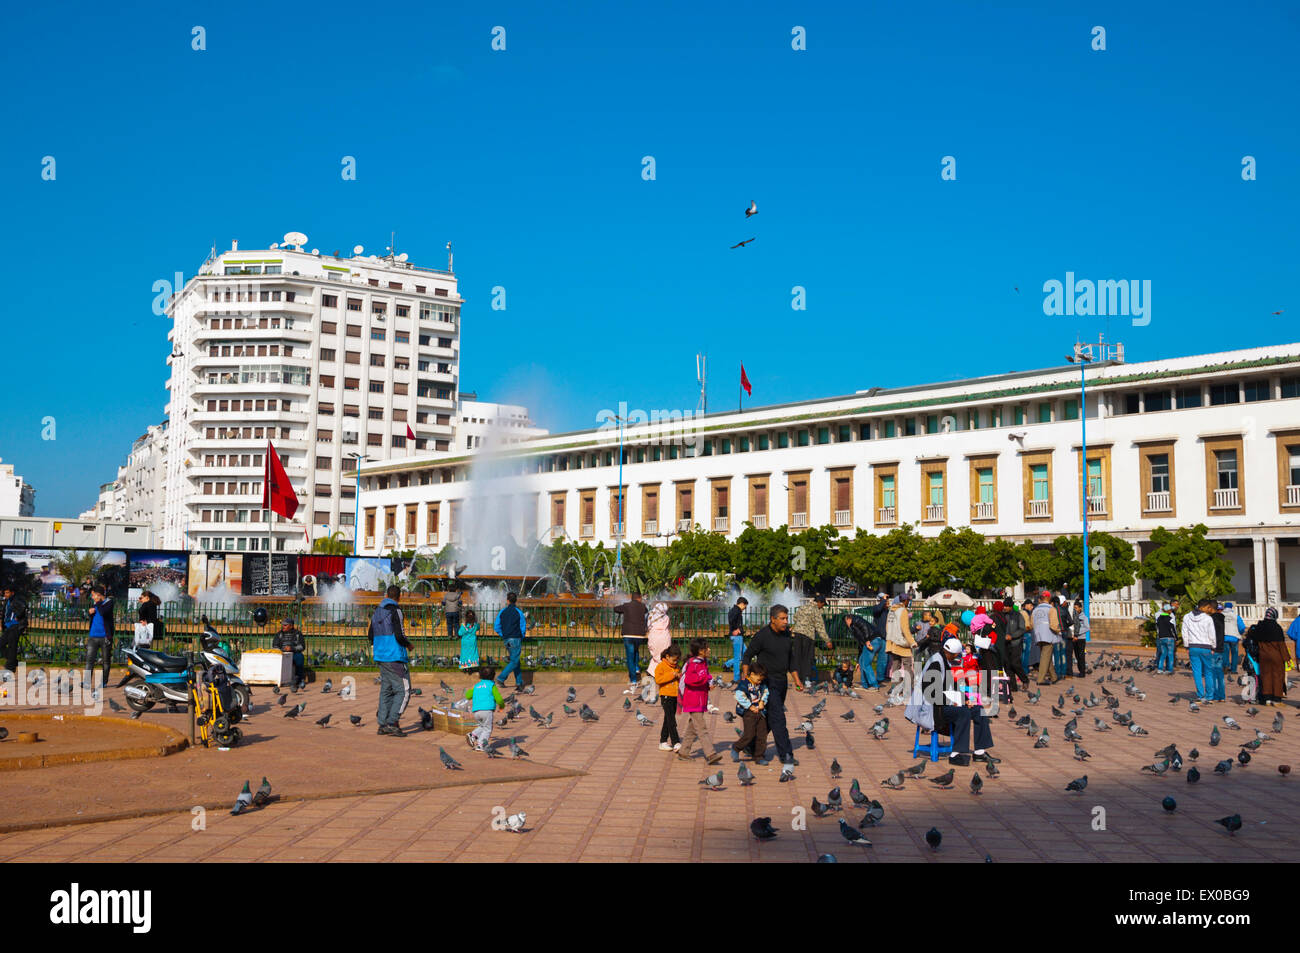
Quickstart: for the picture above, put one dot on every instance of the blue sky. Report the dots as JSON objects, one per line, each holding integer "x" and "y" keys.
{"x": 1117, "y": 164}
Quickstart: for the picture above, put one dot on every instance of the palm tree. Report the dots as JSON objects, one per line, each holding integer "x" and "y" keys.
{"x": 332, "y": 545}
{"x": 77, "y": 565}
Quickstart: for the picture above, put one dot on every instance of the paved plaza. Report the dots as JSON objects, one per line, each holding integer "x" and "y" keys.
{"x": 603, "y": 791}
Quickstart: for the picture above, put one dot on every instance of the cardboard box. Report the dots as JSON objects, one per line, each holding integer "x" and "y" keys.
{"x": 266, "y": 668}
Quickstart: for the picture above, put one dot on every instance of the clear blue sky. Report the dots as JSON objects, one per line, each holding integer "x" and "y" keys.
{"x": 1117, "y": 164}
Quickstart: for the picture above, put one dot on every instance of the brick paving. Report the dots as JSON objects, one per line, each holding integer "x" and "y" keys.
{"x": 614, "y": 796}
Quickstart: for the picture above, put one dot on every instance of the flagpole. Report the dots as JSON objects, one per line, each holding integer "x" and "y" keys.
{"x": 740, "y": 392}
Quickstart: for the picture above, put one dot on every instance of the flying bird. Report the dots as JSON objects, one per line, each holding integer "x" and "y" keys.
{"x": 753, "y": 210}
{"x": 745, "y": 242}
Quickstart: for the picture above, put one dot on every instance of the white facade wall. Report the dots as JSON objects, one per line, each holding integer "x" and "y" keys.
{"x": 1118, "y": 436}
{"x": 17, "y": 497}
{"x": 78, "y": 533}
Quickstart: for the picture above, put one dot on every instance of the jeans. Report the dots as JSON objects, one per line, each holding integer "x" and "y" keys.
{"x": 867, "y": 665}
{"x": 1058, "y": 658}
{"x": 1218, "y": 690}
{"x": 632, "y": 647}
{"x": 1164, "y": 655}
{"x": 1027, "y": 655}
{"x": 1231, "y": 646}
{"x": 94, "y": 647}
{"x": 882, "y": 657}
{"x": 299, "y": 666}
{"x": 394, "y": 692}
{"x": 514, "y": 647}
{"x": 1202, "y": 676}
{"x": 483, "y": 733}
{"x": 453, "y": 624}
{"x": 737, "y": 652}
{"x": 776, "y": 689}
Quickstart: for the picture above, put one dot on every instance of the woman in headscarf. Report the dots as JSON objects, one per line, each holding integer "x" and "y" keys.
{"x": 1266, "y": 644}
{"x": 658, "y": 633}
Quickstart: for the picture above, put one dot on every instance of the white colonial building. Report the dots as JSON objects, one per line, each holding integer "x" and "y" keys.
{"x": 323, "y": 355}
{"x": 1211, "y": 439}
{"x": 17, "y": 497}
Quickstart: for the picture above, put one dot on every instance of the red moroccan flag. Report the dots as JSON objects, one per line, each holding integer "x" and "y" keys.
{"x": 744, "y": 381}
{"x": 277, "y": 491}
{"x": 410, "y": 434}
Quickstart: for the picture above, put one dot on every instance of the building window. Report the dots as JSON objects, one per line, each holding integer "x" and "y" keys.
{"x": 844, "y": 433}
{"x": 1290, "y": 387}
{"x": 378, "y": 334}
{"x": 891, "y": 429}
{"x": 1155, "y": 400}
{"x": 936, "y": 489}
{"x": 1188, "y": 397}
{"x": 1038, "y": 477}
{"x": 726, "y": 445}
{"x": 1256, "y": 390}
{"x": 864, "y": 431}
{"x": 354, "y": 304}
{"x": 1159, "y": 473}
{"x": 1045, "y": 412}
{"x": 329, "y": 301}
{"x": 783, "y": 440}
{"x": 376, "y": 387}
{"x": 909, "y": 426}
{"x": 801, "y": 437}
{"x": 1226, "y": 464}
{"x": 1018, "y": 416}
{"x": 823, "y": 435}
{"x": 932, "y": 423}
{"x": 1070, "y": 410}
{"x": 1224, "y": 394}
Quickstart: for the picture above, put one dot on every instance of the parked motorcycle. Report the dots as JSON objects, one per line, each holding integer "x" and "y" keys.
{"x": 157, "y": 678}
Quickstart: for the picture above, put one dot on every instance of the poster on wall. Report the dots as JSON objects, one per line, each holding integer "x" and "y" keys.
{"x": 371, "y": 573}
{"x": 216, "y": 577}
{"x": 269, "y": 574}
{"x": 51, "y": 566}
{"x": 162, "y": 573}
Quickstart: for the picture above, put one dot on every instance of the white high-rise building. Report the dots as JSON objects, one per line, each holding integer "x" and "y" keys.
{"x": 483, "y": 425}
{"x": 140, "y": 482}
{"x": 17, "y": 497}
{"x": 323, "y": 355}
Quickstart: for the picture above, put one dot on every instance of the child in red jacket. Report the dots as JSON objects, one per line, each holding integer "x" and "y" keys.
{"x": 695, "y": 702}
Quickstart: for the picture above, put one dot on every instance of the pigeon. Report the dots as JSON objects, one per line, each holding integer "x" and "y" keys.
{"x": 752, "y": 210}
{"x": 1284, "y": 769}
{"x": 916, "y": 770}
{"x": 713, "y": 781}
{"x": 894, "y": 781}
{"x": 114, "y": 706}
{"x": 573, "y": 711}
{"x": 1042, "y": 740}
{"x": 295, "y": 711}
{"x": 875, "y": 813}
{"x": 1223, "y": 767}
{"x": 852, "y": 835}
{"x": 1231, "y": 723}
{"x": 243, "y": 802}
{"x": 280, "y": 699}
{"x": 1167, "y": 751}
{"x": 805, "y": 725}
{"x": 746, "y": 776}
{"x": 878, "y": 709}
{"x": 1214, "y": 736}
{"x": 856, "y": 795}
{"x": 642, "y": 719}
{"x": 934, "y": 838}
{"x": 426, "y": 719}
{"x": 1252, "y": 745}
{"x": 536, "y": 715}
{"x": 761, "y": 828}
{"x": 1259, "y": 735}
{"x": 448, "y": 762}
{"x": 515, "y": 822}
{"x": 571, "y": 695}
{"x": 1277, "y": 723}
{"x": 600, "y": 690}
{"x": 818, "y": 808}
{"x": 809, "y": 740}
{"x": 1169, "y": 804}
{"x": 627, "y": 704}
{"x": 1079, "y": 753}
{"x": 834, "y": 801}
{"x": 329, "y": 686}
{"x": 976, "y": 783}
{"x": 848, "y": 715}
{"x": 1194, "y": 754}
{"x": 586, "y": 714}
{"x": 1193, "y": 775}
{"x": 1193, "y": 707}
{"x": 787, "y": 772}
{"x": 1078, "y": 784}
{"x": 324, "y": 721}
{"x": 517, "y": 752}
{"x": 1060, "y": 701}
{"x": 1136, "y": 729}
{"x": 355, "y": 719}
{"x": 531, "y": 689}
{"x": 880, "y": 729}
{"x": 1157, "y": 769}
{"x": 1101, "y": 725}
{"x": 944, "y": 781}
{"x": 263, "y": 793}
{"x": 835, "y": 768}
{"x": 1024, "y": 722}
{"x": 136, "y": 714}
{"x": 1243, "y": 758}
{"x": 991, "y": 769}
{"x": 447, "y": 689}
{"x": 1230, "y": 824}
{"x": 1034, "y": 696}
{"x": 728, "y": 716}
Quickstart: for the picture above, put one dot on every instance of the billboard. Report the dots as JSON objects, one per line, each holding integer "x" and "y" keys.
{"x": 105, "y": 567}
{"x": 162, "y": 573}
{"x": 216, "y": 577}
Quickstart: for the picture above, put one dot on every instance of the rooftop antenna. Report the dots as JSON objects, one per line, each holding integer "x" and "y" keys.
{"x": 392, "y": 243}
{"x": 701, "y": 377}
{"x": 449, "y": 268}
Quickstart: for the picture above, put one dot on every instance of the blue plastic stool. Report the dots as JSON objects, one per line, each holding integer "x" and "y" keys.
{"x": 935, "y": 747}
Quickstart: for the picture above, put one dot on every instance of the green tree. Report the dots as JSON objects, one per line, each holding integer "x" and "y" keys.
{"x": 1185, "y": 557}
{"x": 332, "y": 545}
{"x": 813, "y": 554}
{"x": 698, "y": 550}
{"x": 965, "y": 559}
{"x": 1115, "y": 569}
{"x": 1039, "y": 566}
{"x": 78, "y": 565}
{"x": 762, "y": 556}
{"x": 877, "y": 562}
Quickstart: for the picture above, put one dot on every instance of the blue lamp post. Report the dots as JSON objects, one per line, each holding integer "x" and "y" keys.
{"x": 357, "y": 458}
{"x": 1083, "y": 356}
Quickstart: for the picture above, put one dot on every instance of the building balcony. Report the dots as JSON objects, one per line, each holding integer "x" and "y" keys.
{"x": 588, "y": 531}
{"x": 720, "y": 524}
{"x": 616, "y": 529}
{"x": 1226, "y": 499}
{"x": 370, "y": 542}
{"x": 1159, "y": 502}
{"x": 798, "y": 520}
{"x": 934, "y": 513}
{"x": 1293, "y": 496}
{"x": 433, "y": 540}
{"x": 650, "y": 528}
{"x": 1040, "y": 509}
{"x": 557, "y": 532}
{"x": 759, "y": 520}
{"x": 684, "y": 525}
{"x": 843, "y": 517}
{"x": 986, "y": 511}
{"x": 886, "y": 515}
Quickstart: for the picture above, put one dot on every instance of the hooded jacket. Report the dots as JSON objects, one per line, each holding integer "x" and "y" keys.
{"x": 101, "y": 620}
{"x": 386, "y": 634}
{"x": 695, "y": 681}
{"x": 1198, "y": 630}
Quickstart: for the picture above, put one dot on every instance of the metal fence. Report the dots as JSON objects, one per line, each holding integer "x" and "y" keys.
{"x": 564, "y": 636}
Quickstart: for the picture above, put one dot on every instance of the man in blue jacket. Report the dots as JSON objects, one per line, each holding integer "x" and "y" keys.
{"x": 511, "y": 625}
{"x": 13, "y": 621}
{"x": 99, "y": 641}
{"x": 390, "y": 645}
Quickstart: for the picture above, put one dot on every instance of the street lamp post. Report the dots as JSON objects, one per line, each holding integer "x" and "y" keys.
{"x": 357, "y": 458}
{"x": 1083, "y": 356}
{"x": 618, "y": 541}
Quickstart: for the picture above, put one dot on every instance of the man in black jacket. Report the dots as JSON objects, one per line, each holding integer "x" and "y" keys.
{"x": 290, "y": 639}
{"x": 863, "y": 636}
{"x": 736, "y": 629}
{"x": 770, "y": 646}
{"x": 13, "y": 622}
{"x": 634, "y": 636}
{"x": 955, "y": 710}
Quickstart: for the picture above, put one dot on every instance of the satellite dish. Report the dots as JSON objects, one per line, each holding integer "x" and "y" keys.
{"x": 374, "y": 258}
{"x": 295, "y": 238}
{"x": 402, "y": 257}
{"x": 358, "y": 249}
{"x": 316, "y": 252}
{"x": 275, "y": 244}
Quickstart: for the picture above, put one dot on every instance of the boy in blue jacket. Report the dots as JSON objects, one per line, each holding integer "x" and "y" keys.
{"x": 99, "y": 640}
{"x": 485, "y": 699}
{"x": 390, "y": 645}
